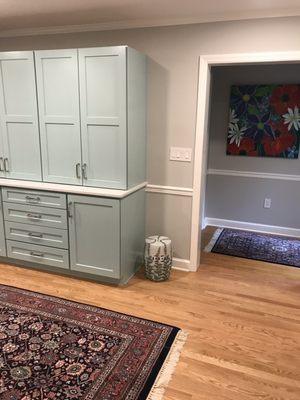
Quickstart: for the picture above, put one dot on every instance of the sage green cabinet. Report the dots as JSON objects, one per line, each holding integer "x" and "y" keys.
{"x": 102, "y": 77}
{"x": 19, "y": 132}
{"x": 58, "y": 94}
{"x": 87, "y": 123}
{"x": 2, "y": 232}
{"x": 107, "y": 235}
{"x": 94, "y": 232}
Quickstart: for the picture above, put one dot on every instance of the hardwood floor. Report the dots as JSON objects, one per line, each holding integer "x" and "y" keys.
{"x": 243, "y": 319}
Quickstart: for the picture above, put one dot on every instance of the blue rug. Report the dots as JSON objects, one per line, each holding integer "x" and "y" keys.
{"x": 257, "y": 246}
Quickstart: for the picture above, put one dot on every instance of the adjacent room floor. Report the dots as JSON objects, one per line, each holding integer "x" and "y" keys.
{"x": 243, "y": 319}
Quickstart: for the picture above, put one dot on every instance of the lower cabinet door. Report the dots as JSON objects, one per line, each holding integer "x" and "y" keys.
{"x": 94, "y": 230}
{"x": 2, "y": 232}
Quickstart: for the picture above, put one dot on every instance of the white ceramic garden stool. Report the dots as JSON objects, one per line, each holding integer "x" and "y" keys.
{"x": 158, "y": 258}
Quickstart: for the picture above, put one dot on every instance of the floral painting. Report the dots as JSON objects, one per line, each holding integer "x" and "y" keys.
{"x": 264, "y": 121}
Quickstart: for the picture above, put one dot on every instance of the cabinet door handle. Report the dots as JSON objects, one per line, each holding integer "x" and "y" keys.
{"x": 1, "y": 164}
{"x": 69, "y": 209}
{"x": 34, "y": 216}
{"x": 78, "y": 175}
{"x": 84, "y": 173}
{"x": 36, "y": 254}
{"x": 35, "y": 234}
{"x": 6, "y": 166}
{"x": 31, "y": 199}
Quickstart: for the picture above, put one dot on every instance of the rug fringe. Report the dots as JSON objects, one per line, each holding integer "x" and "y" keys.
{"x": 168, "y": 368}
{"x": 213, "y": 240}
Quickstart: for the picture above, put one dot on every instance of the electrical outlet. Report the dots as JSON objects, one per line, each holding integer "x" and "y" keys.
{"x": 181, "y": 154}
{"x": 267, "y": 203}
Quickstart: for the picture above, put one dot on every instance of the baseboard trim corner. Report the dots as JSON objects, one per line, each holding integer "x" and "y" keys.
{"x": 181, "y": 264}
{"x": 250, "y": 226}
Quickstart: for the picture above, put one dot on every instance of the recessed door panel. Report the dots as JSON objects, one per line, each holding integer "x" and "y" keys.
{"x": 59, "y": 149}
{"x": 20, "y": 141}
{"x": 105, "y": 151}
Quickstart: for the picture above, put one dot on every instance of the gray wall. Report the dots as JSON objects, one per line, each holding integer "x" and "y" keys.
{"x": 172, "y": 98}
{"x": 241, "y": 199}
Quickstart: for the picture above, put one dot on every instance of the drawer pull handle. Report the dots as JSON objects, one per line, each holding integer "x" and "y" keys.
{"x": 69, "y": 209}
{"x": 35, "y": 235}
{"x": 1, "y": 165}
{"x": 6, "y": 166}
{"x": 36, "y": 254}
{"x": 34, "y": 216}
{"x": 84, "y": 173}
{"x": 33, "y": 199}
{"x": 78, "y": 171}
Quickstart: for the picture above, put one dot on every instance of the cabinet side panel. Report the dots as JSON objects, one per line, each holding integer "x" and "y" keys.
{"x": 2, "y": 232}
{"x": 136, "y": 109}
{"x": 132, "y": 233}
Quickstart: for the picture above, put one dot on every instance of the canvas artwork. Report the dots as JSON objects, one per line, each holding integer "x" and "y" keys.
{"x": 264, "y": 121}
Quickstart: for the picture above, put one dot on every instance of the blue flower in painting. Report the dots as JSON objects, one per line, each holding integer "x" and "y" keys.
{"x": 241, "y": 97}
{"x": 258, "y": 126}
{"x": 292, "y": 152}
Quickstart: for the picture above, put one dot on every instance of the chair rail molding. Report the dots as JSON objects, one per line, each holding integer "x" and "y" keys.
{"x": 175, "y": 190}
{"x": 253, "y": 174}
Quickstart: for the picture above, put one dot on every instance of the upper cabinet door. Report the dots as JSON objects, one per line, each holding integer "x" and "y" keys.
{"x": 18, "y": 116}
{"x": 58, "y": 94}
{"x": 102, "y": 74}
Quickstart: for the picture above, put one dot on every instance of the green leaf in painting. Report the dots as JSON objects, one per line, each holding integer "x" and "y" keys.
{"x": 253, "y": 110}
{"x": 262, "y": 91}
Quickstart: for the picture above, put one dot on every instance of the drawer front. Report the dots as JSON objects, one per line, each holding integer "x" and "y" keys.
{"x": 39, "y": 235}
{"x": 38, "y": 254}
{"x": 42, "y": 216}
{"x": 34, "y": 197}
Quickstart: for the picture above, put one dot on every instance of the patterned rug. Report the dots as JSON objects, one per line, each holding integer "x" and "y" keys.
{"x": 257, "y": 246}
{"x": 53, "y": 349}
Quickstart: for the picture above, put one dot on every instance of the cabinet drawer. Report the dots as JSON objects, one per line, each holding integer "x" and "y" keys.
{"x": 55, "y": 218}
{"x": 36, "y": 234}
{"x": 38, "y": 254}
{"x": 39, "y": 198}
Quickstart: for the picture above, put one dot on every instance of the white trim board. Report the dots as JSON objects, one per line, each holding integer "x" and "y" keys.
{"x": 175, "y": 190}
{"x": 181, "y": 264}
{"x": 57, "y": 187}
{"x": 252, "y": 174}
{"x": 202, "y": 129}
{"x": 250, "y": 226}
{"x": 147, "y": 23}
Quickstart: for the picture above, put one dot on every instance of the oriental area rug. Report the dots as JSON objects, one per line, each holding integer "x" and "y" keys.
{"x": 53, "y": 349}
{"x": 257, "y": 246}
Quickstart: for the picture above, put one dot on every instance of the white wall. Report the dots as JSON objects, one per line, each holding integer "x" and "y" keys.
{"x": 173, "y": 73}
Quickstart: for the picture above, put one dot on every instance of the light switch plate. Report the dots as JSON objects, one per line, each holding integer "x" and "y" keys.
{"x": 181, "y": 154}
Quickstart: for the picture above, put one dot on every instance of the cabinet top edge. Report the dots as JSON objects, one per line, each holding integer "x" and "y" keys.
{"x": 71, "y": 189}
{"x": 23, "y": 52}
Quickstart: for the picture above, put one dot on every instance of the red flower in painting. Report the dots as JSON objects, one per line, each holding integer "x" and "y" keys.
{"x": 275, "y": 147}
{"x": 285, "y": 96}
{"x": 280, "y": 128}
{"x": 247, "y": 147}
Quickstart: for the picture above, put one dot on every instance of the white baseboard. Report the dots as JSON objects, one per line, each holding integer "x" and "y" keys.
{"x": 181, "y": 264}
{"x": 250, "y": 226}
